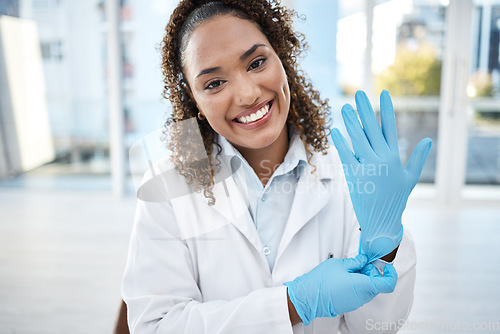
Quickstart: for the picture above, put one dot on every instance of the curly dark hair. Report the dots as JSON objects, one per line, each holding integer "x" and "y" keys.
{"x": 307, "y": 112}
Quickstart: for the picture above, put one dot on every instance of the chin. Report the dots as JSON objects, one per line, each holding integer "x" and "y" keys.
{"x": 263, "y": 141}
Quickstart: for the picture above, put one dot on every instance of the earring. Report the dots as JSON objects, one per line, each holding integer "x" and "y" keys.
{"x": 201, "y": 117}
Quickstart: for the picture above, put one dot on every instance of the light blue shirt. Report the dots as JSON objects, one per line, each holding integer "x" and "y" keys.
{"x": 269, "y": 206}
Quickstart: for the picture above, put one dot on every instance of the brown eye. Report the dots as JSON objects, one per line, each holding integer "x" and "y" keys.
{"x": 214, "y": 84}
{"x": 256, "y": 64}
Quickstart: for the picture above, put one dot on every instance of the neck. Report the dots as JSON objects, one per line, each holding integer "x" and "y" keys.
{"x": 264, "y": 161}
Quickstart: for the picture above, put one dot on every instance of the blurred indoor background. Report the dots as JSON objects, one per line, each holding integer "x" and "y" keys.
{"x": 80, "y": 84}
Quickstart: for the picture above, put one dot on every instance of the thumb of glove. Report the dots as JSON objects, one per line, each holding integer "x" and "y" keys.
{"x": 417, "y": 159}
{"x": 386, "y": 283}
{"x": 355, "y": 264}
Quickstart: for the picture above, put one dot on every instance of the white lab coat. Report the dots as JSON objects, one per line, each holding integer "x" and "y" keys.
{"x": 195, "y": 268}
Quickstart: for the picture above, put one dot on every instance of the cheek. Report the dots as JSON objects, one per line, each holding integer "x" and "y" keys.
{"x": 283, "y": 81}
{"x": 285, "y": 86}
{"x": 278, "y": 80}
{"x": 214, "y": 107}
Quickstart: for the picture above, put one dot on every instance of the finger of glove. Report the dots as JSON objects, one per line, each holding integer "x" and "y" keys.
{"x": 388, "y": 121}
{"x": 345, "y": 153}
{"x": 417, "y": 159}
{"x": 386, "y": 283}
{"x": 370, "y": 123}
{"x": 370, "y": 270}
{"x": 360, "y": 143}
{"x": 355, "y": 264}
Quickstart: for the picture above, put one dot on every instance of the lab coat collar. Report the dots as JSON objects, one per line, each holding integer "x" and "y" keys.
{"x": 328, "y": 166}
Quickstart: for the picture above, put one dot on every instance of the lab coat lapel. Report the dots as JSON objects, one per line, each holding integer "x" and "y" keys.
{"x": 196, "y": 218}
{"x": 233, "y": 207}
{"x": 311, "y": 196}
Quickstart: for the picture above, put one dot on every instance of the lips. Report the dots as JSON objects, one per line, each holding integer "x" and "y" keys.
{"x": 254, "y": 114}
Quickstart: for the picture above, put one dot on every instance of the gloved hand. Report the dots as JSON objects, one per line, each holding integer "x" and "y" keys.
{"x": 379, "y": 186}
{"x": 335, "y": 287}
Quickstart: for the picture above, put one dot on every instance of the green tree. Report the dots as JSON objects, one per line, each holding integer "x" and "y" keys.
{"x": 414, "y": 73}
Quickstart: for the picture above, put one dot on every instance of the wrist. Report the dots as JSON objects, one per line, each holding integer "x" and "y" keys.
{"x": 294, "y": 316}
{"x": 391, "y": 256}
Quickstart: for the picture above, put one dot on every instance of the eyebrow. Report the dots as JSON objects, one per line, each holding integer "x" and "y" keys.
{"x": 242, "y": 57}
{"x": 250, "y": 51}
{"x": 208, "y": 70}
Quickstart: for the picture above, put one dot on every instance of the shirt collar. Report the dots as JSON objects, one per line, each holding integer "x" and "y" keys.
{"x": 231, "y": 154}
{"x": 295, "y": 159}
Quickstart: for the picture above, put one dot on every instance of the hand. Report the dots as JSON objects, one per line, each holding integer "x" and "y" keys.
{"x": 335, "y": 287}
{"x": 379, "y": 185}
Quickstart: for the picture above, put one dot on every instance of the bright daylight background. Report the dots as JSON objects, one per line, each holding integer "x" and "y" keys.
{"x": 79, "y": 89}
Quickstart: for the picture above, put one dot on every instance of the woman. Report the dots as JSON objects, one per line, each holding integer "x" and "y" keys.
{"x": 257, "y": 232}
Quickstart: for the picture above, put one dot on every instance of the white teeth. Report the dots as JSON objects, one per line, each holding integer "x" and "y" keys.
{"x": 255, "y": 116}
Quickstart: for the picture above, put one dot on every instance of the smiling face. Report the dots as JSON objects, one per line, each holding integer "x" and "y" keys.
{"x": 238, "y": 83}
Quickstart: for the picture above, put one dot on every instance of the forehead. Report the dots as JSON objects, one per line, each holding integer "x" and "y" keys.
{"x": 219, "y": 40}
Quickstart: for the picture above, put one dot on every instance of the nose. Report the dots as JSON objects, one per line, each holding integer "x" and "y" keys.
{"x": 246, "y": 90}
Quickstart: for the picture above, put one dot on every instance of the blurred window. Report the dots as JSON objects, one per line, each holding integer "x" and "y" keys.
{"x": 45, "y": 4}
{"x": 401, "y": 50}
{"x": 52, "y": 50}
{"x": 483, "y": 90}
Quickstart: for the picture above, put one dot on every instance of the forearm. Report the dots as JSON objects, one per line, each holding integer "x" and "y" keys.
{"x": 294, "y": 317}
{"x": 263, "y": 310}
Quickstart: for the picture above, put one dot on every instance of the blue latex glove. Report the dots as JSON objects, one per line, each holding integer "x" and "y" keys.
{"x": 335, "y": 287}
{"x": 378, "y": 184}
